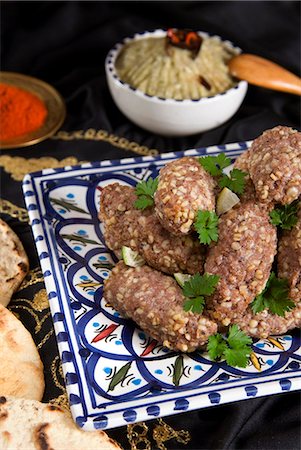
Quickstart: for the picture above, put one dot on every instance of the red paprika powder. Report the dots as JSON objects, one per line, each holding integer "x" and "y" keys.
{"x": 20, "y": 112}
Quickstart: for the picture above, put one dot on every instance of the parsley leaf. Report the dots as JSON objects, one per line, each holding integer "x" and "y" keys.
{"x": 196, "y": 305}
{"x": 215, "y": 164}
{"x": 274, "y": 297}
{"x": 238, "y": 357}
{"x": 196, "y": 288}
{"x": 143, "y": 202}
{"x": 206, "y": 225}
{"x": 285, "y": 216}
{"x": 200, "y": 285}
{"x": 279, "y": 306}
{"x": 237, "y": 338}
{"x": 145, "y": 191}
{"x": 235, "y": 349}
{"x": 259, "y": 303}
{"x": 216, "y": 346}
{"x": 235, "y": 181}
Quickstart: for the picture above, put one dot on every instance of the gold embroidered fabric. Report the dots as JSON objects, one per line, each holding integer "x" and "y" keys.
{"x": 139, "y": 439}
{"x": 62, "y": 402}
{"x": 57, "y": 373}
{"x": 40, "y": 301}
{"x": 102, "y": 135}
{"x": 18, "y": 166}
{"x": 137, "y": 436}
{"x": 33, "y": 308}
{"x": 34, "y": 276}
{"x": 13, "y": 210}
{"x": 164, "y": 432}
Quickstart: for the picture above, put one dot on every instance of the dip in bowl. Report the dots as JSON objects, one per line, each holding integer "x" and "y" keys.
{"x": 174, "y": 88}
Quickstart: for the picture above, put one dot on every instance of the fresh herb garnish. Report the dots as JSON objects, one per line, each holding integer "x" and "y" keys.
{"x": 196, "y": 288}
{"x": 234, "y": 348}
{"x": 206, "y": 225}
{"x": 145, "y": 191}
{"x": 285, "y": 216}
{"x": 215, "y": 165}
{"x": 274, "y": 297}
{"x": 235, "y": 181}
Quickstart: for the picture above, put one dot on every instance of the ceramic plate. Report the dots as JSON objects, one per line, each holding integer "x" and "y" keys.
{"x": 116, "y": 374}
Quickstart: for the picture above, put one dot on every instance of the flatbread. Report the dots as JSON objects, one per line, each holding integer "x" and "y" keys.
{"x": 13, "y": 263}
{"x": 31, "y": 425}
{"x": 21, "y": 369}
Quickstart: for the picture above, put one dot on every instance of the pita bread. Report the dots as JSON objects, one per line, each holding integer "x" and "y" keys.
{"x": 13, "y": 263}
{"x": 21, "y": 369}
{"x": 31, "y": 425}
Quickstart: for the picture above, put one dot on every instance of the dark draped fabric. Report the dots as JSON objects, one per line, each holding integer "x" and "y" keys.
{"x": 65, "y": 44}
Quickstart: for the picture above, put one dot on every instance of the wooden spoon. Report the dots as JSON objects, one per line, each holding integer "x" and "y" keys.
{"x": 264, "y": 73}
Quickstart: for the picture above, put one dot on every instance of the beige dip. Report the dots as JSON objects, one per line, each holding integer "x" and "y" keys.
{"x": 162, "y": 70}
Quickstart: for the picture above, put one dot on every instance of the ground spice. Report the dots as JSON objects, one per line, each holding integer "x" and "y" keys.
{"x": 20, "y": 112}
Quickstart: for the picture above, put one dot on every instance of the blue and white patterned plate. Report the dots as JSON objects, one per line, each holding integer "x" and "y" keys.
{"x": 115, "y": 374}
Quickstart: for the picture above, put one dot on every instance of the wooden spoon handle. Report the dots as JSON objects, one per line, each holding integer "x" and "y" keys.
{"x": 264, "y": 73}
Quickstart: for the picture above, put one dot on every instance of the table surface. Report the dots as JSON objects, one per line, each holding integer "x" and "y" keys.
{"x": 65, "y": 44}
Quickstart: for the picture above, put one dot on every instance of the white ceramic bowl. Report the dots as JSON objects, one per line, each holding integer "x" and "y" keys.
{"x": 169, "y": 117}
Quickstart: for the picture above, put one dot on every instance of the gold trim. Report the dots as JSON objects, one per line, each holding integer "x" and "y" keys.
{"x": 56, "y": 369}
{"x": 34, "y": 276}
{"x": 62, "y": 402}
{"x": 25, "y": 308}
{"x": 12, "y": 210}
{"x": 40, "y": 301}
{"x": 101, "y": 135}
{"x": 45, "y": 338}
{"x": 18, "y": 166}
{"x": 39, "y": 304}
{"x": 164, "y": 432}
{"x": 38, "y": 326}
{"x": 137, "y": 435}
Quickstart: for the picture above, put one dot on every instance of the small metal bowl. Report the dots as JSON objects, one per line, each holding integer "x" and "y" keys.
{"x": 53, "y": 101}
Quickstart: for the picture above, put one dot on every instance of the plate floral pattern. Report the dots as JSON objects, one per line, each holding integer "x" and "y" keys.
{"x": 115, "y": 373}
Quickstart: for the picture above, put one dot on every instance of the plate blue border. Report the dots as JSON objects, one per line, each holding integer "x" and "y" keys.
{"x": 118, "y": 414}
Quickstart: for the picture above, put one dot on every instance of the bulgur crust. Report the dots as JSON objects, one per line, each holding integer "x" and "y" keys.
{"x": 241, "y": 163}
{"x": 249, "y": 193}
{"x": 275, "y": 165}
{"x": 142, "y": 232}
{"x": 289, "y": 258}
{"x": 119, "y": 217}
{"x": 155, "y": 302}
{"x": 242, "y": 257}
{"x": 264, "y": 324}
{"x": 184, "y": 188}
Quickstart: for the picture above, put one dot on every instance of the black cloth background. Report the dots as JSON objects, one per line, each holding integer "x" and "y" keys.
{"x": 65, "y": 44}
